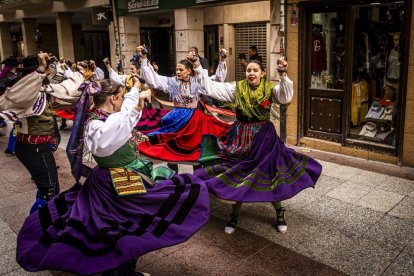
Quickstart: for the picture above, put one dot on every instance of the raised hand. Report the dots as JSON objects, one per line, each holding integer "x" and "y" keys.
{"x": 281, "y": 65}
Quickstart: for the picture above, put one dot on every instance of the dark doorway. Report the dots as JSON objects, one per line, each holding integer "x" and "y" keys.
{"x": 211, "y": 46}
{"x": 96, "y": 45}
{"x": 160, "y": 42}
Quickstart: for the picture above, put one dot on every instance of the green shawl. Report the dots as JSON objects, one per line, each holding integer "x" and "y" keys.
{"x": 254, "y": 103}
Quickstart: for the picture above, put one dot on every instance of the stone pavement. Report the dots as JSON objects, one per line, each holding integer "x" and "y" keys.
{"x": 355, "y": 222}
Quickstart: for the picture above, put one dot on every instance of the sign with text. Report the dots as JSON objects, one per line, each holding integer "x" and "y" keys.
{"x": 142, "y": 5}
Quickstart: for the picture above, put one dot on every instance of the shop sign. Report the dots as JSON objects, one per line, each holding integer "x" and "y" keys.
{"x": 126, "y": 7}
{"x": 142, "y": 5}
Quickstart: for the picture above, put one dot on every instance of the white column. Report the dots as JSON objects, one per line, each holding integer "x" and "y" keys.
{"x": 64, "y": 35}
{"x": 28, "y": 30}
{"x": 128, "y": 38}
{"x": 189, "y": 31}
{"x": 6, "y": 49}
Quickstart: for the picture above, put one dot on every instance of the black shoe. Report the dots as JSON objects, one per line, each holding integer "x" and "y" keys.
{"x": 280, "y": 220}
{"x": 63, "y": 127}
{"x": 7, "y": 151}
{"x": 231, "y": 225}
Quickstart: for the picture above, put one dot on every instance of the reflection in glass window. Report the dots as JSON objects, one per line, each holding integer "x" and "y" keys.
{"x": 328, "y": 51}
{"x": 376, "y": 72}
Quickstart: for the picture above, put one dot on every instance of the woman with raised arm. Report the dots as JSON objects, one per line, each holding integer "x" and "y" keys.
{"x": 126, "y": 208}
{"x": 179, "y": 137}
{"x": 151, "y": 116}
{"x": 253, "y": 164}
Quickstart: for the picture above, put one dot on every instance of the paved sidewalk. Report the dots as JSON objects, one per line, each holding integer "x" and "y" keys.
{"x": 354, "y": 222}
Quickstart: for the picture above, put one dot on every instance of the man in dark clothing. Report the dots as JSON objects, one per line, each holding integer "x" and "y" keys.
{"x": 203, "y": 61}
{"x": 204, "y": 64}
{"x": 252, "y": 55}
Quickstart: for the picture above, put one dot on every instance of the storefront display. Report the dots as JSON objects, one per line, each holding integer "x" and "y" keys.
{"x": 377, "y": 62}
{"x": 353, "y": 85}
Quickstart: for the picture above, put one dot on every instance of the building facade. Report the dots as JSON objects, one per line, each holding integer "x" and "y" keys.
{"x": 351, "y": 61}
{"x": 75, "y": 30}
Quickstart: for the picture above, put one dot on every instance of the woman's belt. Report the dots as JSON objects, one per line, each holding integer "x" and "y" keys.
{"x": 35, "y": 139}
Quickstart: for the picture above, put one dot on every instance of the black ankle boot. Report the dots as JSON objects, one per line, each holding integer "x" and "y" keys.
{"x": 280, "y": 220}
{"x": 232, "y": 224}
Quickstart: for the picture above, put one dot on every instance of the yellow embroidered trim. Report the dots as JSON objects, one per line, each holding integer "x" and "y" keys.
{"x": 127, "y": 182}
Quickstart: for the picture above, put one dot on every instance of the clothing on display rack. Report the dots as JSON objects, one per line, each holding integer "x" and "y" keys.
{"x": 369, "y": 130}
{"x": 375, "y": 111}
{"x": 388, "y": 111}
{"x": 359, "y": 108}
{"x": 318, "y": 56}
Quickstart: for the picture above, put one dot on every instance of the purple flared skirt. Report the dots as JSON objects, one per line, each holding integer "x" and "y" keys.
{"x": 263, "y": 170}
{"x": 90, "y": 229}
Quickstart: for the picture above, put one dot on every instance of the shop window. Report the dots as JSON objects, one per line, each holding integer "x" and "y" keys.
{"x": 376, "y": 72}
{"x": 353, "y": 80}
{"x": 328, "y": 52}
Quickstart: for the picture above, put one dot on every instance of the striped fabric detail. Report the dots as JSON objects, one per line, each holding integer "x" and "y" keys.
{"x": 127, "y": 182}
{"x": 242, "y": 137}
{"x": 256, "y": 180}
{"x": 53, "y": 224}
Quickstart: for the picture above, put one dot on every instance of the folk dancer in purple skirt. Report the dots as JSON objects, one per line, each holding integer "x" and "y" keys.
{"x": 125, "y": 208}
{"x": 253, "y": 164}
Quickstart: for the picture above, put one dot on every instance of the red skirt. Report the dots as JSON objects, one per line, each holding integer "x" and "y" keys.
{"x": 66, "y": 113}
{"x": 184, "y": 144}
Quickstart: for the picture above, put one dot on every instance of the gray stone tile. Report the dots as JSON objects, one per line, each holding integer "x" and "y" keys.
{"x": 411, "y": 194}
{"x": 8, "y": 241}
{"x": 22, "y": 272}
{"x": 380, "y": 200}
{"x": 368, "y": 178}
{"x": 355, "y": 219}
{"x": 7, "y": 189}
{"x": 410, "y": 247}
{"x": 293, "y": 264}
{"x": 404, "y": 209}
{"x": 327, "y": 166}
{"x": 324, "y": 185}
{"x": 16, "y": 173}
{"x": 8, "y": 262}
{"x": 245, "y": 268}
{"x": 391, "y": 231}
{"x": 150, "y": 258}
{"x": 361, "y": 256}
{"x": 402, "y": 265}
{"x": 324, "y": 244}
{"x": 241, "y": 244}
{"x": 397, "y": 185}
{"x": 350, "y": 192}
{"x": 324, "y": 210}
{"x": 191, "y": 260}
{"x": 15, "y": 216}
{"x": 342, "y": 215}
{"x": 344, "y": 172}
{"x": 15, "y": 199}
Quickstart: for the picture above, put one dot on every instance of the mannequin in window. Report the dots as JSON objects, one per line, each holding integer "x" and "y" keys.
{"x": 377, "y": 71}
{"x": 392, "y": 78}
